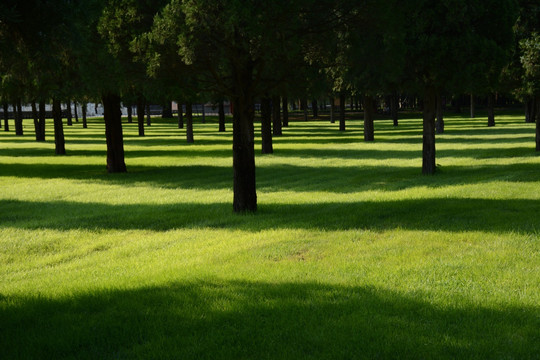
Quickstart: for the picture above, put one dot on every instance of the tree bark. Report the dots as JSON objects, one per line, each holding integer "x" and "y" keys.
{"x": 342, "y": 112}
{"x": 6, "y": 116}
{"x": 180, "y": 115}
{"x": 285, "y": 112}
{"x": 148, "y": 116}
{"x": 276, "y": 116}
{"x": 530, "y": 114}
{"x": 394, "y": 108}
{"x": 221, "y": 116}
{"x": 369, "y": 111}
{"x": 305, "y": 109}
{"x": 140, "y": 115}
{"x": 203, "y": 113}
{"x": 537, "y": 120}
{"x": 332, "y": 120}
{"x": 129, "y": 114}
{"x": 315, "y": 109}
{"x": 490, "y": 109}
{"x": 42, "y": 117}
{"x": 59, "y": 141}
{"x": 189, "y": 123}
{"x": 472, "y": 107}
{"x": 36, "y": 119}
{"x": 17, "y": 114}
{"x": 75, "y": 111}
{"x": 167, "y": 110}
{"x": 428, "y": 147}
{"x": 83, "y": 107}
{"x": 244, "y": 187}
{"x": 112, "y": 115}
{"x": 440, "y": 116}
{"x": 68, "y": 114}
{"x": 266, "y": 126}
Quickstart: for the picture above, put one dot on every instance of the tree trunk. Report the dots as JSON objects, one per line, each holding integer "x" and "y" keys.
{"x": 428, "y": 148}
{"x": 140, "y": 115}
{"x": 112, "y": 115}
{"x": 394, "y": 108}
{"x": 472, "y": 106}
{"x": 59, "y": 142}
{"x": 129, "y": 114}
{"x": 315, "y": 109}
{"x": 332, "y": 120}
{"x": 352, "y": 103}
{"x": 41, "y": 121}
{"x": 369, "y": 110}
{"x": 6, "y": 116}
{"x": 266, "y": 126}
{"x": 83, "y": 107}
{"x": 491, "y": 112}
{"x": 189, "y": 123}
{"x": 75, "y": 111}
{"x": 537, "y": 119}
{"x": 276, "y": 116}
{"x": 285, "y": 112}
{"x": 440, "y": 119}
{"x": 342, "y": 112}
{"x": 68, "y": 114}
{"x": 203, "y": 113}
{"x": 180, "y": 115}
{"x": 305, "y": 109}
{"x": 221, "y": 116}
{"x": 17, "y": 114}
{"x": 167, "y": 110}
{"x": 530, "y": 114}
{"x": 148, "y": 116}
{"x": 35, "y": 116}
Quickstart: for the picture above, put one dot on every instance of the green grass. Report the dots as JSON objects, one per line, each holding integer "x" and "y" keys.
{"x": 352, "y": 254}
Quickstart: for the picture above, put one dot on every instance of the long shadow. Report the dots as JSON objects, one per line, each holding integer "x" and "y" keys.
{"x": 447, "y": 214}
{"x": 257, "y": 320}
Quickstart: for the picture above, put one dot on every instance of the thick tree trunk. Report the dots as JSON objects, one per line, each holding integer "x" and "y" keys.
{"x": 148, "y": 116}
{"x": 17, "y": 114}
{"x": 167, "y": 110}
{"x": 42, "y": 116}
{"x": 428, "y": 148}
{"x": 472, "y": 106}
{"x": 394, "y": 108}
{"x": 140, "y": 115}
{"x": 315, "y": 109}
{"x": 285, "y": 112}
{"x": 369, "y": 111}
{"x": 332, "y": 120}
{"x": 75, "y": 111}
{"x": 129, "y": 114}
{"x": 6, "y": 116}
{"x": 189, "y": 123}
{"x": 83, "y": 107}
{"x": 440, "y": 116}
{"x": 68, "y": 114}
{"x": 342, "y": 112}
{"x": 266, "y": 127}
{"x": 530, "y": 112}
{"x": 490, "y": 109}
{"x": 59, "y": 142}
{"x": 245, "y": 194}
{"x": 276, "y": 116}
{"x": 180, "y": 115}
{"x": 221, "y": 116}
{"x": 112, "y": 115}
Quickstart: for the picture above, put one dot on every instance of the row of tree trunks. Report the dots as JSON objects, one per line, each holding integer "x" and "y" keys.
{"x": 59, "y": 141}
{"x": 369, "y": 111}
{"x": 189, "y": 123}
{"x": 113, "y": 133}
{"x": 266, "y": 126}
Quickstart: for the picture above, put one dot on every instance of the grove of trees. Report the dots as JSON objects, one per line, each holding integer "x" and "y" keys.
{"x": 264, "y": 52}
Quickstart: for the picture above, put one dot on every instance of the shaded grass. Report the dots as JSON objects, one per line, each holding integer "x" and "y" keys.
{"x": 352, "y": 254}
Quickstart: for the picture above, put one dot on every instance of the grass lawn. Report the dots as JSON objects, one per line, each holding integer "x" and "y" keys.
{"x": 352, "y": 254}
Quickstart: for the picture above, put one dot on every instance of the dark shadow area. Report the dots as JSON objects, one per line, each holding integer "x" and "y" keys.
{"x": 448, "y": 214}
{"x": 253, "y": 320}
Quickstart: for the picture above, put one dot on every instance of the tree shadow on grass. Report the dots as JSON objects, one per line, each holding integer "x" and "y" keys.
{"x": 435, "y": 214}
{"x": 240, "y": 320}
